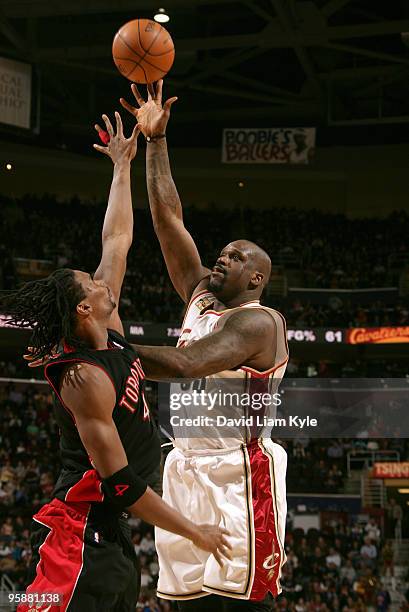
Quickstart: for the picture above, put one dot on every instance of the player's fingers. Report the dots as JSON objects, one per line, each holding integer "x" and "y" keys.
{"x": 226, "y": 553}
{"x": 224, "y": 531}
{"x": 131, "y": 109}
{"x": 103, "y": 150}
{"x": 168, "y": 104}
{"x": 151, "y": 91}
{"x": 37, "y": 363}
{"x": 137, "y": 95}
{"x": 218, "y": 558}
{"x": 136, "y": 131}
{"x": 29, "y": 354}
{"x": 103, "y": 135}
{"x": 159, "y": 87}
{"x": 226, "y": 543}
{"x": 119, "y": 126}
{"x": 108, "y": 125}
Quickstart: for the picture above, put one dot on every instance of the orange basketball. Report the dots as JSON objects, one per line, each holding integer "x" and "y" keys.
{"x": 143, "y": 51}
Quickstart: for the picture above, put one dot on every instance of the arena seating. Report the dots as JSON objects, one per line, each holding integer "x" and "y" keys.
{"x": 354, "y": 254}
{"x": 326, "y": 570}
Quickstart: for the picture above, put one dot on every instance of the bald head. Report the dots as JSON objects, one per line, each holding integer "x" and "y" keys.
{"x": 258, "y": 256}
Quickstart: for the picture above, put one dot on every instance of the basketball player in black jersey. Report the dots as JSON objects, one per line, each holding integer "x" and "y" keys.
{"x": 109, "y": 445}
{"x": 244, "y": 336}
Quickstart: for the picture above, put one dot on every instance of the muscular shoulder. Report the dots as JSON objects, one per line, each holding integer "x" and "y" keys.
{"x": 254, "y": 320}
{"x": 250, "y": 322}
{"x": 203, "y": 285}
{"x": 86, "y": 387}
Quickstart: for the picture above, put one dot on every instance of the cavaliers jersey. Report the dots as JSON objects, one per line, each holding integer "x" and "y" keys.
{"x": 243, "y": 419}
{"x": 79, "y": 480}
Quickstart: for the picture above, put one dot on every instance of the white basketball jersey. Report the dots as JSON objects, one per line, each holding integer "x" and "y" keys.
{"x": 235, "y": 417}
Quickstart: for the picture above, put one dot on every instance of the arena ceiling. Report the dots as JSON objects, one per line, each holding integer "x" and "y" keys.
{"x": 331, "y": 63}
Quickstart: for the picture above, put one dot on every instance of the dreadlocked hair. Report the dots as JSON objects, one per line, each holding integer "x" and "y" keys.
{"x": 48, "y": 306}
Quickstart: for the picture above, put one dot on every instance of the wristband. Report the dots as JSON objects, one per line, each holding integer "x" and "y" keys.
{"x": 124, "y": 488}
{"x": 104, "y": 136}
{"x": 155, "y": 138}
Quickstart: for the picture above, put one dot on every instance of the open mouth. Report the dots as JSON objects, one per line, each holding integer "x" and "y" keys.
{"x": 218, "y": 270}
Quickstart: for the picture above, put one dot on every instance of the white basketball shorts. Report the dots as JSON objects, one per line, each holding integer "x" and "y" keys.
{"x": 242, "y": 490}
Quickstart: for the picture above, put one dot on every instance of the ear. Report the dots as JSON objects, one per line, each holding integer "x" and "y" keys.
{"x": 257, "y": 279}
{"x": 84, "y": 309}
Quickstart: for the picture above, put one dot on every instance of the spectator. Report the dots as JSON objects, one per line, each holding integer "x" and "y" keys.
{"x": 368, "y": 549}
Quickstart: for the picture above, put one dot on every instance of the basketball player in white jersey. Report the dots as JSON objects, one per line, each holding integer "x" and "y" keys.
{"x": 237, "y": 481}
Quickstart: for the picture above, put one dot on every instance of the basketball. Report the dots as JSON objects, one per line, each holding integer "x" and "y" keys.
{"x": 143, "y": 51}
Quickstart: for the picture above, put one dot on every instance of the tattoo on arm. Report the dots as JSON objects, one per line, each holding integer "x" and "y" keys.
{"x": 161, "y": 187}
{"x": 243, "y": 336}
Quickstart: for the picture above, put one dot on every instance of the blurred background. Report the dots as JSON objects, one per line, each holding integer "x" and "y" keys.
{"x": 291, "y": 130}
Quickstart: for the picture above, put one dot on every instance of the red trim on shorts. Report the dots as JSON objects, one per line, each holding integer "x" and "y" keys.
{"x": 88, "y": 489}
{"x": 61, "y": 554}
{"x": 268, "y": 557}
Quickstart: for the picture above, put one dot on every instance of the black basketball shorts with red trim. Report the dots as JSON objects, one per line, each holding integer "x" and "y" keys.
{"x": 85, "y": 554}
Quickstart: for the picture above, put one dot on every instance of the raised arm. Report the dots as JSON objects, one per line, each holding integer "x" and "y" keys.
{"x": 179, "y": 250}
{"x": 88, "y": 393}
{"x": 117, "y": 230}
{"x": 243, "y": 338}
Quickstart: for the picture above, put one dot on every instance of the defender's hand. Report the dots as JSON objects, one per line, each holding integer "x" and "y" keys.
{"x": 119, "y": 148}
{"x": 151, "y": 115}
{"x": 36, "y": 362}
{"x": 212, "y": 539}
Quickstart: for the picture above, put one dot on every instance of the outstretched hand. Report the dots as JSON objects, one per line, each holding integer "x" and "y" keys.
{"x": 119, "y": 148}
{"x": 36, "y": 362}
{"x": 151, "y": 115}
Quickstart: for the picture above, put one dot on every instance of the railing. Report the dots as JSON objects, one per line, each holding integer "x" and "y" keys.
{"x": 372, "y": 492}
{"x": 364, "y": 459}
{"x": 6, "y": 586}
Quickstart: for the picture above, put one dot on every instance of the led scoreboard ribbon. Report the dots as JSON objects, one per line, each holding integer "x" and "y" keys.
{"x": 316, "y": 334}
{"x": 306, "y": 335}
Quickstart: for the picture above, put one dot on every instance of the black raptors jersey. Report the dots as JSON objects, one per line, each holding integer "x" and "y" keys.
{"x": 79, "y": 481}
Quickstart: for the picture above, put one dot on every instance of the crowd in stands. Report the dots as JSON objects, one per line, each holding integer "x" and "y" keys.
{"x": 341, "y": 312}
{"x": 337, "y": 570}
{"x": 330, "y": 251}
{"x": 320, "y": 466}
{"x": 333, "y": 569}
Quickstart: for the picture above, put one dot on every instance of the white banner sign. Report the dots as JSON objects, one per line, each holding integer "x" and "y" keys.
{"x": 15, "y": 93}
{"x": 268, "y": 145}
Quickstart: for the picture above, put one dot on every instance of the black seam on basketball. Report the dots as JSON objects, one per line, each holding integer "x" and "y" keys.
{"x": 128, "y": 74}
{"x": 139, "y": 38}
{"x": 127, "y": 59}
{"x": 131, "y": 48}
{"x": 163, "y": 53}
{"x": 146, "y": 78}
{"x": 156, "y": 68}
{"x": 142, "y": 58}
{"x": 152, "y": 43}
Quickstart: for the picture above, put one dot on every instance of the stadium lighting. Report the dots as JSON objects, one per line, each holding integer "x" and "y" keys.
{"x": 161, "y": 16}
{"x": 404, "y": 491}
{"x": 9, "y": 167}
